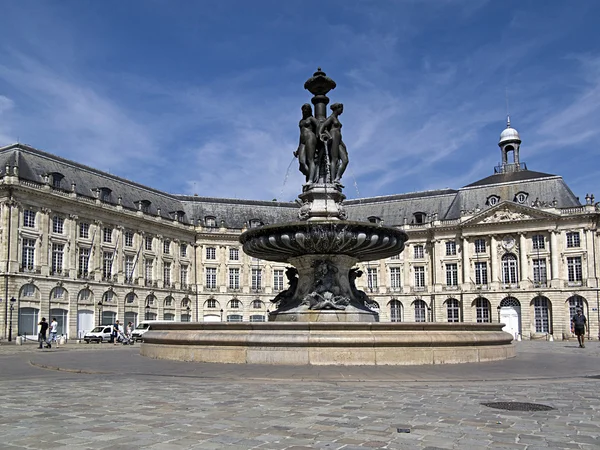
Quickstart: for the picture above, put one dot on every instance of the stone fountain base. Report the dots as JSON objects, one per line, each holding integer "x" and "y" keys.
{"x": 343, "y": 344}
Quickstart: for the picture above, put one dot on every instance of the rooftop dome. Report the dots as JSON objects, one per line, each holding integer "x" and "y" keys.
{"x": 509, "y": 133}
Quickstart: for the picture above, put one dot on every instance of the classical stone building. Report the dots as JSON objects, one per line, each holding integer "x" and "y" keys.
{"x": 88, "y": 247}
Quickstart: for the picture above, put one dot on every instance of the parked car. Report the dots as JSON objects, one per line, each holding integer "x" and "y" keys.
{"x": 141, "y": 328}
{"x": 99, "y": 334}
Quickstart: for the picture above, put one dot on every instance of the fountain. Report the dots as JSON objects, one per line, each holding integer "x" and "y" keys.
{"x": 322, "y": 318}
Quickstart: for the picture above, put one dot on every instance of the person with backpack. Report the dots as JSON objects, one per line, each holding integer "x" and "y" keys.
{"x": 42, "y": 330}
{"x": 579, "y": 326}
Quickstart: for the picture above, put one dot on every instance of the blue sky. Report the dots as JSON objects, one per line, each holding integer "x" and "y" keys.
{"x": 204, "y": 97}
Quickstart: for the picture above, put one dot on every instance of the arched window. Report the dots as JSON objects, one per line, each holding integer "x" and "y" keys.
{"x": 541, "y": 311}
{"x": 453, "y": 310}
{"x": 108, "y": 297}
{"x": 575, "y": 302}
{"x": 257, "y": 304}
{"x": 210, "y": 221}
{"x": 420, "y": 311}
{"x": 58, "y": 293}
{"x": 185, "y": 303}
{"x": 130, "y": 298}
{"x": 169, "y": 302}
{"x": 211, "y": 303}
{"x": 150, "y": 299}
{"x": 482, "y": 309}
{"x": 235, "y": 303}
{"x": 169, "y": 316}
{"x": 85, "y": 295}
{"x": 509, "y": 269}
{"x": 395, "y": 311}
{"x": 28, "y": 291}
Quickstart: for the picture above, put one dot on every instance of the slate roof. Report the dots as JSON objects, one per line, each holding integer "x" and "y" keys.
{"x": 235, "y": 213}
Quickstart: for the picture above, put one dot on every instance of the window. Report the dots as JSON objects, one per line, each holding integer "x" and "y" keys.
{"x": 105, "y": 194}
{"x": 540, "y": 308}
{"x": 452, "y": 274}
{"x": 211, "y": 277}
{"x": 374, "y": 219}
{"x": 129, "y": 267}
{"x": 29, "y": 291}
{"x": 84, "y": 295}
{"x": 573, "y": 239}
{"x": 179, "y": 216}
{"x": 420, "y": 311}
{"x": 166, "y": 247}
{"x": 481, "y": 274}
{"x": 479, "y": 245}
{"x": 256, "y": 279}
{"x": 234, "y": 278}
{"x": 575, "y": 302}
{"x": 420, "y": 277}
{"x": 482, "y": 307}
{"x": 210, "y": 221}
{"x": 395, "y": 277}
{"x": 107, "y": 260}
{"x": 128, "y": 238}
{"x": 419, "y": 252}
{"x": 539, "y": 272}
{"x": 28, "y": 254}
{"x": 84, "y": 230}
{"x": 211, "y": 253}
{"x": 58, "y": 292}
{"x": 211, "y": 303}
{"x": 453, "y": 310}
{"x": 183, "y": 275}
{"x": 57, "y": 258}
{"x": 183, "y": 250}
{"x": 450, "y": 248}
{"x": 169, "y": 302}
{"x": 58, "y": 225}
{"x": 84, "y": 259}
{"x": 372, "y": 278}
{"x": 130, "y": 298}
{"x": 538, "y": 242}
{"x": 234, "y": 303}
{"x": 395, "y": 311}
{"x": 148, "y": 270}
{"x": 108, "y": 297}
{"x": 493, "y": 200}
{"x": 395, "y": 256}
{"x": 107, "y": 234}
{"x": 234, "y": 318}
{"x": 234, "y": 254}
{"x": 509, "y": 269}
{"x": 575, "y": 275}
{"x": 419, "y": 217}
{"x": 255, "y": 223}
{"x": 257, "y": 318}
{"x": 167, "y": 273}
{"x": 148, "y": 243}
{"x": 29, "y": 218}
{"x": 521, "y": 197}
{"x": 257, "y": 304}
{"x": 278, "y": 280}
{"x": 145, "y": 206}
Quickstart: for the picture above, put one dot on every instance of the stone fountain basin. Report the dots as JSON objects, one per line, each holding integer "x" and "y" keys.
{"x": 319, "y": 343}
{"x": 359, "y": 240}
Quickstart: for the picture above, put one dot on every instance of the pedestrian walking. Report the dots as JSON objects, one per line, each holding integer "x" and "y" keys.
{"x": 42, "y": 330}
{"x": 53, "y": 332}
{"x": 579, "y": 327}
{"x": 115, "y": 332}
{"x": 129, "y": 330}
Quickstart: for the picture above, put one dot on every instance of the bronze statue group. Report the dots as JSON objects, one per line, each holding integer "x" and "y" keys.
{"x": 322, "y": 154}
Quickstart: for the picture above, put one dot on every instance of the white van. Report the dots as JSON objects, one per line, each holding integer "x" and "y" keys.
{"x": 99, "y": 334}
{"x": 141, "y": 328}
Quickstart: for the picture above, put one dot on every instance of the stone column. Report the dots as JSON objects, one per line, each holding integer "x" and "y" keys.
{"x": 523, "y": 260}
{"x": 494, "y": 263}
{"x": 466, "y": 275}
{"x": 554, "y": 255}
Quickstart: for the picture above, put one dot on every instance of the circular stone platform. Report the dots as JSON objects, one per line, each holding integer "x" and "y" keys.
{"x": 321, "y": 343}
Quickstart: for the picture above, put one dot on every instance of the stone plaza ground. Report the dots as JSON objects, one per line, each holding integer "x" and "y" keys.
{"x": 103, "y": 396}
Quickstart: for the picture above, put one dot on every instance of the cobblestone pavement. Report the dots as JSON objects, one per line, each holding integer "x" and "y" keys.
{"x": 104, "y": 396}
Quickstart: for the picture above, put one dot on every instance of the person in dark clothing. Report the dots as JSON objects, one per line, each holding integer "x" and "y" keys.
{"x": 579, "y": 326}
{"x": 42, "y": 333}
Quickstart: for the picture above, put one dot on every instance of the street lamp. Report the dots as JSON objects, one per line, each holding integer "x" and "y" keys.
{"x": 12, "y": 306}
{"x": 268, "y": 312}
{"x": 189, "y": 315}
{"x": 221, "y": 315}
{"x": 147, "y": 311}
{"x": 99, "y": 312}
{"x": 498, "y": 308}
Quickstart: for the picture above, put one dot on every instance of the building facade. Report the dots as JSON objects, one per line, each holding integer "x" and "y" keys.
{"x": 88, "y": 248}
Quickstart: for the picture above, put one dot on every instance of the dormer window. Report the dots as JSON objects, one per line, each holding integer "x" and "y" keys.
{"x": 210, "y": 221}
{"x": 419, "y": 217}
{"x": 521, "y": 197}
{"x": 492, "y": 200}
{"x": 104, "y": 194}
{"x": 255, "y": 223}
{"x": 56, "y": 179}
{"x": 374, "y": 219}
{"x": 144, "y": 206}
{"x": 179, "y": 215}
